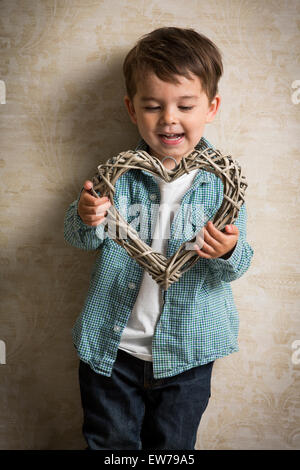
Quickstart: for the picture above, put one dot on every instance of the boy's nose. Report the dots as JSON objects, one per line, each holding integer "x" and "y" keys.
{"x": 168, "y": 117}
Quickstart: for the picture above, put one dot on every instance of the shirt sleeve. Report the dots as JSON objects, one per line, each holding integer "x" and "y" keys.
{"x": 239, "y": 260}
{"x": 80, "y": 235}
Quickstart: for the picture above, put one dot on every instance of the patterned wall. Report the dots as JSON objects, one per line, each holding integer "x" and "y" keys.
{"x": 61, "y": 114}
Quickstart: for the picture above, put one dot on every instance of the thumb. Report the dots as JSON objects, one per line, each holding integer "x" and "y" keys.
{"x": 88, "y": 185}
{"x": 232, "y": 229}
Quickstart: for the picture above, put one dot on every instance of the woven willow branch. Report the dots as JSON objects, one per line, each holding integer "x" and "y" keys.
{"x": 166, "y": 271}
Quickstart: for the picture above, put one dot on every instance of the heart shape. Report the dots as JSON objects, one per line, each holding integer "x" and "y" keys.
{"x": 164, "y": 270}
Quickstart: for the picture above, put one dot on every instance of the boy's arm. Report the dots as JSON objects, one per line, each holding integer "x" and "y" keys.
{"x": 80, "y": 235}
{"x": 88, "y": 234}
{"x": 235, "y": 263}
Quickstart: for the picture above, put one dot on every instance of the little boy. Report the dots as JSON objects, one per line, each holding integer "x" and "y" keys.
{"x": 146, "y": 355}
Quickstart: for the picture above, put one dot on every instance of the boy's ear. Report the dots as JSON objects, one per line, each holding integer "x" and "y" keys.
{"x": 130, "y": 109}
{"x": 213, "y": 108}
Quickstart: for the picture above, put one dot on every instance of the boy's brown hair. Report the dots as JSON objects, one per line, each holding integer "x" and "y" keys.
{"x": 172, "y": 51}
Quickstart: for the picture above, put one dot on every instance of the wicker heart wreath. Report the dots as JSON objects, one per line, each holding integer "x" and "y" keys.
{"x": 167, "y": 271}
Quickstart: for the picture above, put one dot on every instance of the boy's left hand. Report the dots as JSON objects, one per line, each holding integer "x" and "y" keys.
{"x": 216, "y": 243}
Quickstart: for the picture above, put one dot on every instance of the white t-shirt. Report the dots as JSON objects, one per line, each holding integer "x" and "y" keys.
{"x": 137, "y": 336}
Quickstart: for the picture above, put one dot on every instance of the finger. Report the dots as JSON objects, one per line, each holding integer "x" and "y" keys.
{"x": 201, "y": 253}
{"x": 206, "y": 243}
{"x": 103, "y": 208}
{"x": 216, "y": 234}
{"x": 93, "y": 220}
{"x": 90, "y": 200}
{"x": 209, "y": 240}
{"x": 88, "y": 185}
{"x": 206, "y": 248}
{"x": 232, "y": 229}
{"x": 90, "y": 214}
{"x": 95, "y": 210}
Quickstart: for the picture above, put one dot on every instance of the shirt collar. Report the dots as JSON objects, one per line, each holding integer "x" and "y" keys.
{"x": 201, "y": 177}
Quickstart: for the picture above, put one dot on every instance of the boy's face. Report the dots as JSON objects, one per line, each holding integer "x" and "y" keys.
{"x": 171, "y": 117}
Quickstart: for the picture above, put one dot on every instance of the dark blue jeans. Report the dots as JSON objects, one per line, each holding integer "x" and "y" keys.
{"x": 132, "y": 410}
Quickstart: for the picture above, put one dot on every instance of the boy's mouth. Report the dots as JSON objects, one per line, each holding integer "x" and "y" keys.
{"x": 171, "y": 139}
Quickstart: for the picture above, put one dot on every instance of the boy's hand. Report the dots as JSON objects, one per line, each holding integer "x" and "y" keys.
{"x": 216, "y": 243}
{"x": 92, "y": 210}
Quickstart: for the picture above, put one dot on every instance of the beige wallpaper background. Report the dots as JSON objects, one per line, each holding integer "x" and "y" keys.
{"x": 61, "y": 114}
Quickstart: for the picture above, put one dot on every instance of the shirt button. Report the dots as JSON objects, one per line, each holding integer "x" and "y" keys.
{"x": 153, "y": 197}
{"x": 131, "y": 285}
{"x": 117, "y": 329}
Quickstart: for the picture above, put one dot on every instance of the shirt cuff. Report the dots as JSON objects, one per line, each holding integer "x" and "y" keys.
{"x": 234, "y": 259}
{"x": 80, "y": 227}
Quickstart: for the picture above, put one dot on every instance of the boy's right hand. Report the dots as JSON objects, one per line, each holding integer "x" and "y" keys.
{"x": 92, "y": 210}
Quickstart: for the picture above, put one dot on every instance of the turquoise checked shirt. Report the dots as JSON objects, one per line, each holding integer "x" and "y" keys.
{"x": 199, "y": 320}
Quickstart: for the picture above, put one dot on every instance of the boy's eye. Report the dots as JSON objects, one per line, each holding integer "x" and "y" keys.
{"x": 155, "y": 108}
{"x": 152, "y": 108}
{"x": 185, "y": 108}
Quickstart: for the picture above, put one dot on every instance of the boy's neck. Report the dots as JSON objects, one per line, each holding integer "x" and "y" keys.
{"x": 168, "y": 163}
